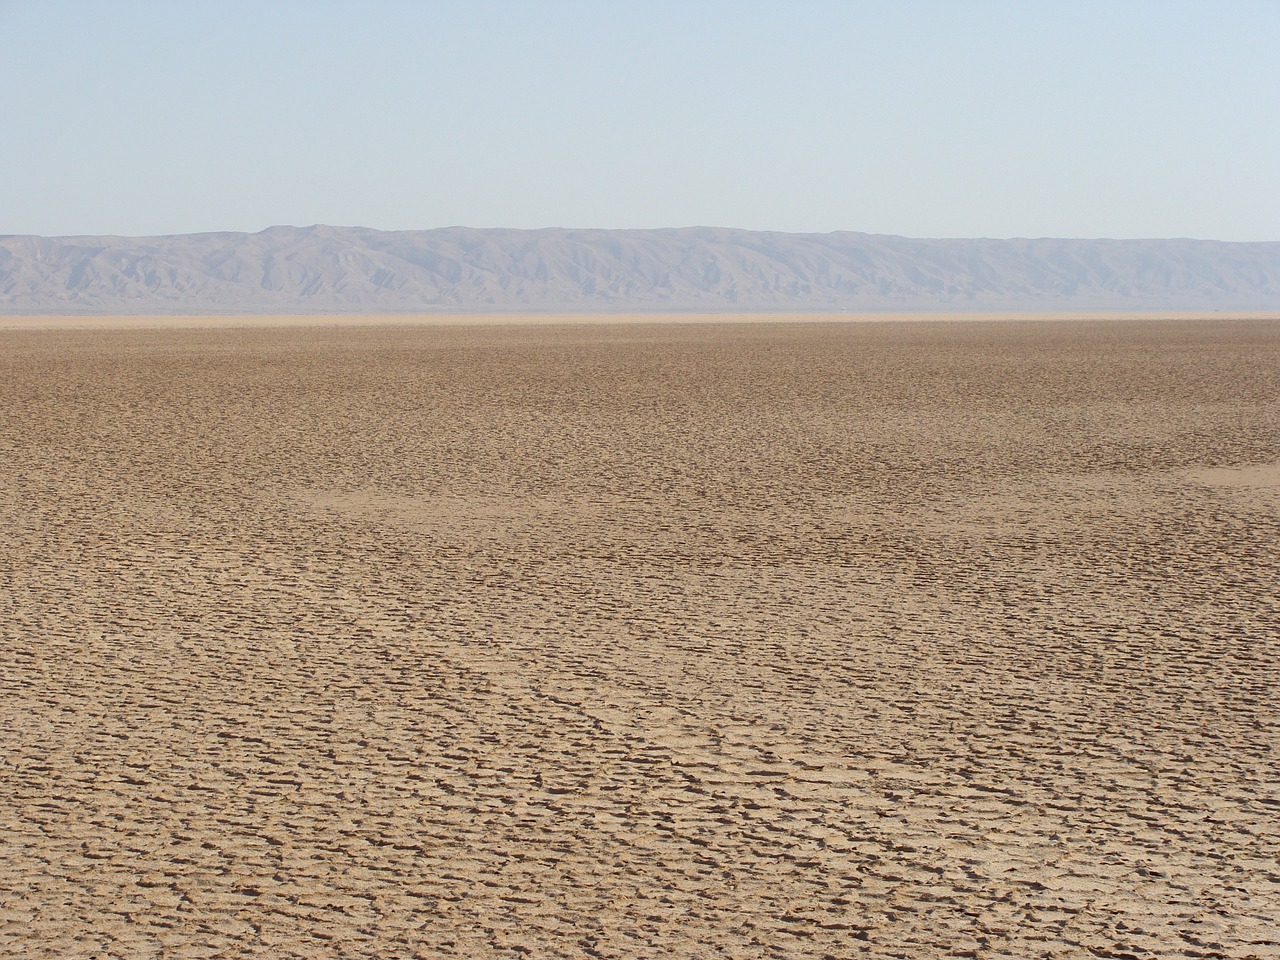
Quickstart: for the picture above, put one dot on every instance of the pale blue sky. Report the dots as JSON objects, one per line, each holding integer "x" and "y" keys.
{"x": 1123, "y": 118}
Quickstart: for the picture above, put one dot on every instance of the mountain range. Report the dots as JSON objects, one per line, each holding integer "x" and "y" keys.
{"x": 324, "y": 269}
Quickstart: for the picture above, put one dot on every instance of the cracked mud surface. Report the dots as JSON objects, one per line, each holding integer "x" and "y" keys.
{"x": 815, "y": 640}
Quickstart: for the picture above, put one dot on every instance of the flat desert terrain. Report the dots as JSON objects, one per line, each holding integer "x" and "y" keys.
{"x": 642, "y": 640}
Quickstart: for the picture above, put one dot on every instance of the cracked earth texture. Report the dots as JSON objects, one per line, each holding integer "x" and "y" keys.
{"x": 623, "y": 641}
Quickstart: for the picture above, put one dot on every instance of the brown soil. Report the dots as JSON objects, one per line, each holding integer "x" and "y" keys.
{"x": 649, "y": 640}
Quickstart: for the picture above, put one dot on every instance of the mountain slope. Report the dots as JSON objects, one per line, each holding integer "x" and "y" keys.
{"x": 339, "y": 269}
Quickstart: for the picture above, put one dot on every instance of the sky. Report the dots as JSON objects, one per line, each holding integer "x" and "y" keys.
{"x": 922, "y": 118}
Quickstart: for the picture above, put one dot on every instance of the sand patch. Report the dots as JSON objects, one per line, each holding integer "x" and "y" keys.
{"x": 1265, "y": 477}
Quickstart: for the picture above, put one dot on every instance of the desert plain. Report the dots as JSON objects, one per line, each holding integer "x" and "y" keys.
{"x": 629, "y": 640}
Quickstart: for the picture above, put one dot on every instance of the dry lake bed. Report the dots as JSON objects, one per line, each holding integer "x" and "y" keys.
{"x": 693, "y": 640}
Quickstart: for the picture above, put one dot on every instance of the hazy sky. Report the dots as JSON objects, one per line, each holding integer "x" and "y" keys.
{"x": 1120, "y": 118}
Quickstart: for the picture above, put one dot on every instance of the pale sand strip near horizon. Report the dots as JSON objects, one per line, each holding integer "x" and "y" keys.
{"x": 218, "y": 321}
{"x": 665, "y": 640}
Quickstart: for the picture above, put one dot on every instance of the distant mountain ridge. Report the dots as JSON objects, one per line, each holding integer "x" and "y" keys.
{"x": 324, "y": 269}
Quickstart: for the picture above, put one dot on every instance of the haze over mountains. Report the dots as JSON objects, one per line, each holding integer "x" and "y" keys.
{"x": 322, "y": 269}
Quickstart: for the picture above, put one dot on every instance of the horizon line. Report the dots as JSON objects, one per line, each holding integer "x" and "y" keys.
{"x": 570, "y": 229}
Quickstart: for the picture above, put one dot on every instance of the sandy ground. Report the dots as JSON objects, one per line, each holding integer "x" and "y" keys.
{"x": 254, "y": 321}
{"x": 629, "y": 641}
